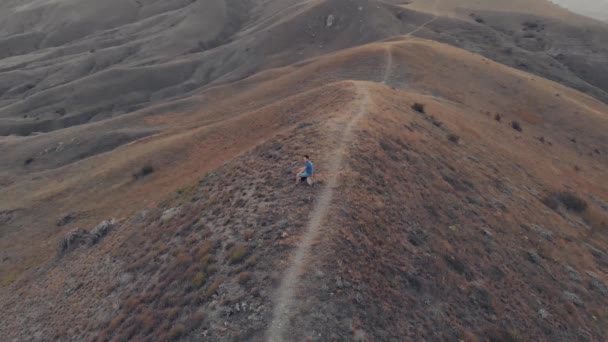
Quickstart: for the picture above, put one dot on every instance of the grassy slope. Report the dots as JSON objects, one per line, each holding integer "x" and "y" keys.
{"x": 443, "y": 234}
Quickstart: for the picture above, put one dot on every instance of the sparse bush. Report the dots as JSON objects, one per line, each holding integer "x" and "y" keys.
{"x": 8, "y": 279}
{"x": 572, "y": 202}
{"x": 251, "y": 260}
{"x": 199, "y": 279}
{"x": 177, "y": 331}
{"x": 516, "y": 126}
{"x": 244, "y": 278}
{"x": 28, "y": 161}
{"x": 182, "y": 260}
{"x": 237, "y": 253}
{"x": 146, "y": 170}
{"x": 212, "y": 289}
{"x": 419, "y": 107}
{"x": 453, "y": 138}
{"x": 117, "y": 321}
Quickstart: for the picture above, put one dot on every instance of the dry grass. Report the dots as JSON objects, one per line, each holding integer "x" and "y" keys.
{"x": 597, "y": 219}
{"x": 212, "y": 289}
{"x": 199, "y": 279}
{"x": 8, "y": 279}
{"x": 177, "y": 331}
{"x": 238, "y": 253}
{"x": 244, "y": 278}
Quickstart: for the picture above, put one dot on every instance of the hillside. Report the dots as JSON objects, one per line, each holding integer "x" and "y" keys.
{"x": 460, "y": 190}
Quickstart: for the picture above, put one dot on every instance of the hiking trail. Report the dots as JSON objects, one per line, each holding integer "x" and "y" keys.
{"x": 284, "y": 304}
{"x": 432, "y": 20}
{"x": 285, "y": 294}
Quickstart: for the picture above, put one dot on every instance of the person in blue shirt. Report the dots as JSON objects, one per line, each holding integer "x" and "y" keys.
{"x": 306, "y": 171}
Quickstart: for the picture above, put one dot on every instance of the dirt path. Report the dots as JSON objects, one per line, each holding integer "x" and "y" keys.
{"x": 389, "y": 65}
{"x": 435, "y": 17}
{"x": 284, "y": 302}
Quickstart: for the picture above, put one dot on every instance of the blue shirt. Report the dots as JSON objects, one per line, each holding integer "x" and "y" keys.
{"x": 309, "y": 169}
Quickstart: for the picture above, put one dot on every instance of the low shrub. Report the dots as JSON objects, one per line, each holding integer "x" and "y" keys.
{"x": 572, "y": 201}
{"x": 199, "y": 279}
{"x": 238, "y": 253}
{"x": 419, "y": 107}
{"x": 244, "y": 278}
{"x": 453, "y": 138}
{"x": 146, "y": 170}
{"x": 212, "y": 289}
{"x": 516, "y": 126}
{"x": 177, "y": 331}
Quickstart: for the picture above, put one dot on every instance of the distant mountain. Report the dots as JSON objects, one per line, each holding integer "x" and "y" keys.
{"x": 597, "y": 9}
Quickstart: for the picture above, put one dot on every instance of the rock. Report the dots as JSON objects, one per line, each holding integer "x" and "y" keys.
{"x": 73, "y": 240}
{"x": 597, "y": 284}
{"x": 284, "y": 235}
{"x": 79, "y": 236}
{"x": 543, "y": 232}
{"x": 125, "y": 278}
{"x": 329, "y": 22}
{"x": 543, "y": 313}
{"x": 488, "y": 233}
{"x": 500, "y": 205}
{"x": 169, "y": 214}
{"x": 339, "y": 283}
{"x": 572, "y": 273}
{"x": 101, "y": 230}
{"x": 533, "y": 257}
{"x": 573, "y": 298}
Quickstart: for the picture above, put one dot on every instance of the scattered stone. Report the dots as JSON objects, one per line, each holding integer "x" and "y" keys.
{"x": 543, "y": 313}
{"x": 597, "y": 284}
{"x": 573, "y": 298}
{"x": 329, "y": 22}
{"x": 101, "y": 230}
{"x": 500, "y": 205}
{"x": 73, "y": 240}
{"x": 126, "y": 278}
{"x": 488, "y": 233}
{"x": 339, "y": 282}
{"x": 543, "y": 232}
{"x": 284, "y": 235}
{"x": 574, "y": 275}
{"x": 169, "y": 214}
{"x": 79, "y": 236}
{"x": 534, "y": 257}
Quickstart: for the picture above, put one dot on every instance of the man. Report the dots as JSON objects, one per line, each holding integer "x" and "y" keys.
{"x": 305, "y": 172}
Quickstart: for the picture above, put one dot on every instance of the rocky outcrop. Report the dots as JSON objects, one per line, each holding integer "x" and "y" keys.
{"x": 79, "y": 237}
